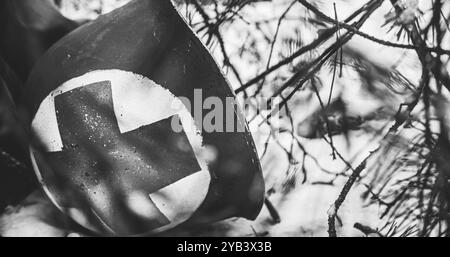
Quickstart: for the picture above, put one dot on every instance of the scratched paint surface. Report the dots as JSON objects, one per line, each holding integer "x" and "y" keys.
{"x": 127, "y": 157}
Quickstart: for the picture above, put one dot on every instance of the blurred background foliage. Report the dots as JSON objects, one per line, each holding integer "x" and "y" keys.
{"x": 362, "y": 86}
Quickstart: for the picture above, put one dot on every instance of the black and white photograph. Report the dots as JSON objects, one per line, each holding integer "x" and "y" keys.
{"x": 249, "y": 119}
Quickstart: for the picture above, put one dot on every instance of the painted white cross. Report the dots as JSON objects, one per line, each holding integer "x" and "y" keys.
{"x": 137, "y": 103}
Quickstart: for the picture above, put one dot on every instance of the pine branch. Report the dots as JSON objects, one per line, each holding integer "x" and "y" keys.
{"x": 323, "y": 37}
